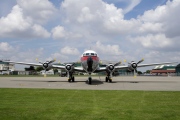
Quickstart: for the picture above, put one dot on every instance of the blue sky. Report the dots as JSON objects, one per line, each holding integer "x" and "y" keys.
{"x": 116, "y": 29}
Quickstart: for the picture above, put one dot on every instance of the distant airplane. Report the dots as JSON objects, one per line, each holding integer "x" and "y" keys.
{"x": 90, "y": 64}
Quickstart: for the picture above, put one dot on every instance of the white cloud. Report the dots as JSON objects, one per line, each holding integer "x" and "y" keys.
{"x": 164, "y": 18}
{"x": 153, "y": 41}
{"x": 58, "y": 57}
{"x": 96, "y": 17}
{"x": 95, "y": 24}
{"x": 131, "y": 5}
{"x": 38, "y": 11}
{"x": 69, "y": 51}
{"x": 16, "y": 24}
{"x": 15, "y": 53}
{"x": 5, "y": 47}
{"x": 159, "y": 28}
{"x": 107, "y": 49}
{"x": 148, "y": 27}
{"x": 59, "y": 33}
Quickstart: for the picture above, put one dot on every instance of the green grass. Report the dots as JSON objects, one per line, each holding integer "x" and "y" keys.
{"x": 47, "y": 104}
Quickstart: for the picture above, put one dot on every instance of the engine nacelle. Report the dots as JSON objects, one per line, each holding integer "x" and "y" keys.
{"x": 47, "y": 66}
{"x": 110, "y": 68}
{"x": 69, "y": 67}
{"x": 132, "y": 66}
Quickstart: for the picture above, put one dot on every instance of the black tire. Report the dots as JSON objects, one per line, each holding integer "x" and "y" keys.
{"x": 73, "y": 79}
{"x": 69, "y": 80}
{"x": 106, "y": 79}
{"x": 110, "y": 80}
{"x": 89, "y": 80}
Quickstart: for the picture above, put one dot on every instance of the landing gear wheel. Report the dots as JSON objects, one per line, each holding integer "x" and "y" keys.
{"x": 110, "y": 80}
{"x": 89, "y": 80}
{"x": 73, "y": 79}
{"x": 106, "y": 79}
{"x": 69, "y": 80}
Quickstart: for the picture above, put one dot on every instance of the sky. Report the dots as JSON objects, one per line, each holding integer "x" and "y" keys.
{"x": 116, "y": 29}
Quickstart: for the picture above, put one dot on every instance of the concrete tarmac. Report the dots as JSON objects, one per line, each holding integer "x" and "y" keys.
{"x": 150, "y": 83}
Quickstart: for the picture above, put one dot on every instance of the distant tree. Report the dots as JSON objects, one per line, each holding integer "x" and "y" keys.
{"x": 139, "y": 72}
{"x": 39, "y": 68}
{"x": 31, "y": 68}
{"x": 148, "y": 71}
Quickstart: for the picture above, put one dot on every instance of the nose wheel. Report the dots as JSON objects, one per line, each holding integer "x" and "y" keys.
{"x": 89, "y": 80}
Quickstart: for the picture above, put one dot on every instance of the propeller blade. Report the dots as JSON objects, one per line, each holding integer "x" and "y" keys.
{"x": 52, "y": 61}
{"x": 45, "y": 73}
{"x": 117, "y": 63}
{"x": 59, "y": 62}
{"x": 37, "y": 59}
{"x": 140, "y": 61}
{"x": 135, "y": 73}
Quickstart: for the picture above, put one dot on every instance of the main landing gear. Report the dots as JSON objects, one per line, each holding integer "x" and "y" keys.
{"x": 71, "y": 78}
{"x": 108, "y": 78}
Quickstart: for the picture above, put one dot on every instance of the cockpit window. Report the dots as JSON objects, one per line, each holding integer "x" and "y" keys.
{"x": 92, "y": 54}
{"x": 89, "y": 54}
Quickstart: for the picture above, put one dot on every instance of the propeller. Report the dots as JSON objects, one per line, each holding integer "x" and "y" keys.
{"x": 46, "y": 65}
{"x": 134, "y": 65}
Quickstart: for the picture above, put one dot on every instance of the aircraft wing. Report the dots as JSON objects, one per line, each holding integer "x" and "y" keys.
{"x": 126, "y": 66}
{"x": 79, "y": 69}
{"x": 100, "y": 69}
{"x": 58, "y": 66}
{"x": 152, "y": 64}
{"x": 143, "y": 65}
{"x": 24, "y": 63}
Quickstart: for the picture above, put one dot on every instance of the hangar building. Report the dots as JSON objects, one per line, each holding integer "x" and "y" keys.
{"x": 178, "y": 69}
{"x": 164, "y": 70}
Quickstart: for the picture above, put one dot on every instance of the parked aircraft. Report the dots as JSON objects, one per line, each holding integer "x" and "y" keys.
{"x": 90, "y": 64}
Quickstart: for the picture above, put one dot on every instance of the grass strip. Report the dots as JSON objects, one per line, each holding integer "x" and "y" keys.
{"x": 43, "y": 104}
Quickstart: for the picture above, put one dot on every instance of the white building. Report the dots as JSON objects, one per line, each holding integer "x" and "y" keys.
{"x": 7, "y": 66}
{"x": 49, "y": 72}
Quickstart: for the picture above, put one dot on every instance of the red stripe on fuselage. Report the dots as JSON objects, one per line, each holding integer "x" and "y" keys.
{"x": 84, "y": 58}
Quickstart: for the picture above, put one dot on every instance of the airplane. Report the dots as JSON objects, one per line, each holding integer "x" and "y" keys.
{"x": 90, "y": 64}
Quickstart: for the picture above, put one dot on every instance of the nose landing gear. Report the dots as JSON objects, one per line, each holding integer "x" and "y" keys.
{"x": 89, "y": 80}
